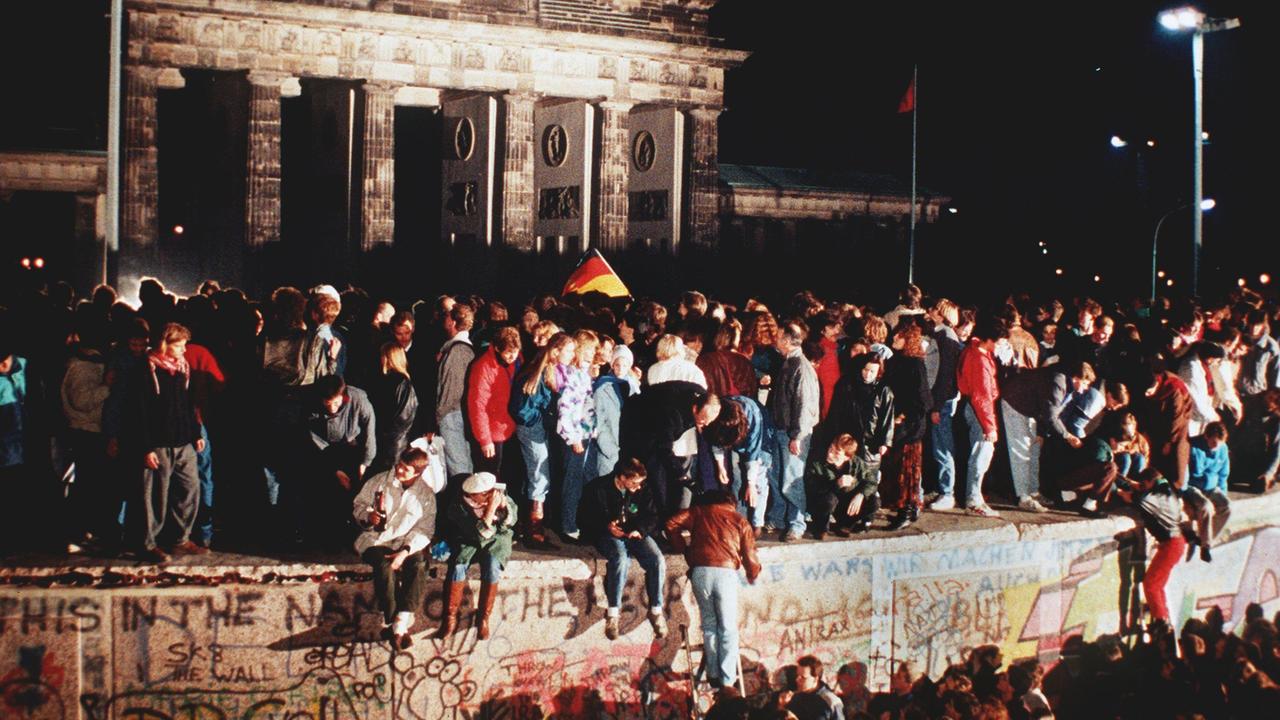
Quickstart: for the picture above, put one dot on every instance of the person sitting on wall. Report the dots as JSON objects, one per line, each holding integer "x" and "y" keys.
{"x": 481, "y": 520}
{"x": 398, "y": 513}
{"x": 839, "y": 493}
{"x": 619, "y": 517}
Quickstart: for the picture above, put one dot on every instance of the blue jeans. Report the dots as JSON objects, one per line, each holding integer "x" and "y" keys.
{"x": 457, "y": 453}
{"x": 756, "y": 473}
{"x": 618, "y": 553}
{"x": 203, "y": 531}
{"x": 490, "y": 569}
{"x": 944, "y": 447}
{"x": 533, "y": 448}
{"x": 1130, "y": 464}
{"x": 576, "y": 468}
{"x": 786, "y": 483}
{"x": 1024, "y": 450}
{"x": 716, "y": 590}
{"x": 981, "y": 453}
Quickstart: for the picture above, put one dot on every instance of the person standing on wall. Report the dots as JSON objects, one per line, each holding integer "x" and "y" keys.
{"x": 720, "y": 544}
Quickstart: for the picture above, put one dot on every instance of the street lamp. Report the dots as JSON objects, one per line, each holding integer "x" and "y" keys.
{"x": 1205, "y": 204}
{"x": 1182, "y": 20}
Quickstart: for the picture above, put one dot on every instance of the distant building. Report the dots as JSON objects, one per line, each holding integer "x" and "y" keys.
{"x": 310, "y": 134}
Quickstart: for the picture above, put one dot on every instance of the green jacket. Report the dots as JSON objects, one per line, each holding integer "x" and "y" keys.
{"x": 471, "y": 534}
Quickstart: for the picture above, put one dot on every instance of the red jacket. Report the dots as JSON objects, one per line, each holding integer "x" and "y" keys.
{"x": 488, "y": 395}
{"x": 828, "y": 373}
{"x": 206, "y": 377}
{"x": 728, "y": 373}
{"x": 976, "y": 380}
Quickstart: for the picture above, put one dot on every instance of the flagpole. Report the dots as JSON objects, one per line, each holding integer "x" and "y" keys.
{"x": 915, "y": 112}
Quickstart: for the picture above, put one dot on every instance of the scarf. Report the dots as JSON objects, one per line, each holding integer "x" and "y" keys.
{"x": 157, "y": 360}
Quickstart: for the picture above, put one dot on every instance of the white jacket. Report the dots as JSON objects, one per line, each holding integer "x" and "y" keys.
{"x": 84, "y": 390}
{"x": 411, "y": 514}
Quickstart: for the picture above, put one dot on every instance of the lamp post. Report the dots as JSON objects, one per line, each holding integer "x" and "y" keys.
{"x": 1190, "y": 19}
{"x": 1206, "y": 204}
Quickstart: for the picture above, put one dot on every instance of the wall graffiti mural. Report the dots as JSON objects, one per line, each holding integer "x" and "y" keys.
{"x": 304, "y": 650}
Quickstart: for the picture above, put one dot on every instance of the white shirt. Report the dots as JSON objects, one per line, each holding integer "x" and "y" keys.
{"x": 676, "y": 369}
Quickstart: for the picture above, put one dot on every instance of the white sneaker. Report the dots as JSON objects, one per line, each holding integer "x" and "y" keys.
{"x": 982, "y": 510}
{"x": 659, "y": 623}
{"x": 946, "y": 502}
{"x": 1030, "y": 504}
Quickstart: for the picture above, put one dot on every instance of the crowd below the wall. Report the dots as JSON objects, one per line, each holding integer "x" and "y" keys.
{"x": 323, "y": 420}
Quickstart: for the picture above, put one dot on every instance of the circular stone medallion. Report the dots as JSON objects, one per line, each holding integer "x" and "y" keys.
{"x": 464, "y": 139}
{"x": 555, "y": 145}
{"x": 643, "y": 151}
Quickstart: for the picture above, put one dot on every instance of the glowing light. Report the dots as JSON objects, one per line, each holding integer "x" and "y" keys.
{"x": 1097, "y": 278}
{"x": 1058, "y": 271}
{"x": 38, "y": 263}
{"x": 1169, "y": 282}
{"x": 26, "y": 263}
{"x": 1208, "y": 204}
{"x": 1264, "y": 278}
{"x": 1160, "y": 274}
{"x": 1151, "y": 143}
{"x": 1117, "y": 141}
{"x": 178, "y": 229}
{"x": 1240, "y": 282}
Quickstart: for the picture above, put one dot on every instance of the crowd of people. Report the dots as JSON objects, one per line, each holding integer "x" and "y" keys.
{"x": 1202, "y": 672}
{"x": 457, "y": 428}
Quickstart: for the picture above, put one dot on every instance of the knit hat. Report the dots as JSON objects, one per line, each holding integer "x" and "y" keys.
{"x": 622, "y": 352}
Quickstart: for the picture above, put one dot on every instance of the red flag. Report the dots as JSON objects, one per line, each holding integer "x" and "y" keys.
{"x": 908, "y": 102}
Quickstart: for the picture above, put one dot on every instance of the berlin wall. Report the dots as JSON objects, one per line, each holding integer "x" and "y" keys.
{"x": 301, "y": 643}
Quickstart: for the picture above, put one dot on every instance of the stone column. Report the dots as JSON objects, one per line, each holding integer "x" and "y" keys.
{"x": 140, "y": 192}
{"x": 378, "y": 198}
{"x": 704, "y": 178}
{"x": 615, "y": 165}
{"x": 262, "y": 186}
{"x": 518, "y": 202}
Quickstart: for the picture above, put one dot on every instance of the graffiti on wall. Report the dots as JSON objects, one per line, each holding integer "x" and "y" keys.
{"x": 312, "y": 651}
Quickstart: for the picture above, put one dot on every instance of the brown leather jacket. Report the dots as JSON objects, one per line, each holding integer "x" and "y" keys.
{"x": 720, "y": 537}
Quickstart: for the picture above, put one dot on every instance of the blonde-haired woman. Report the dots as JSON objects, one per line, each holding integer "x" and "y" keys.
{"x": 532, "y": 394}
{"x": 576, "y": 426}
{"x": 395, "y": 405}
{"x": 166, "y": 434}
{"x": 672, "y": 364}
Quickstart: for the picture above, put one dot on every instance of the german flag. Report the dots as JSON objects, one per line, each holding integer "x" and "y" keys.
{"x": 593, "y": 274}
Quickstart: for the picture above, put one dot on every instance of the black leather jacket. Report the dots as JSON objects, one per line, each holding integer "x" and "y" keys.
{"x": 864, "y": 411}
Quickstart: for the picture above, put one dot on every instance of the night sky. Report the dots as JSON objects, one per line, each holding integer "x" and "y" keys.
{"x": 1017, "y": 106}
{"x": 1016, "y": 109}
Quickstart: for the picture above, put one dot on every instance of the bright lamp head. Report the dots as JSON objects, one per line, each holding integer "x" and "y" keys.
{"x": 1187, "y": 18}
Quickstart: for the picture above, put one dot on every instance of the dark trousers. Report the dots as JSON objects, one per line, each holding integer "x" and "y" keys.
{"x": 326, "y": 505}
{"x": 94, "y": 499}
{"x": 831, "y": 507}
{"x": 666, "y": 481}
{"x": 480, "y": 463}
{"x": 397, "y": 591}
{"x": 1094, "y": 479}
